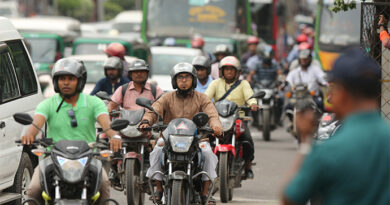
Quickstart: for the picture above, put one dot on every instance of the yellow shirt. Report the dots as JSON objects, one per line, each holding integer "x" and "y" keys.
{"x": 239, "y": 95}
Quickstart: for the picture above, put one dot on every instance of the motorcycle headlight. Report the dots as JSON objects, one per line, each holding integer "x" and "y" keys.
{"x": 131, "y": 131}
{"x": 227, "y": 123}
{"x": 72, "y": 170}
{"x": 180, "y": 143}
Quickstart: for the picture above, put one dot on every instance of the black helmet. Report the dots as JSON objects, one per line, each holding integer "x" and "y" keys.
{"x": 202, "y": 61}
{"x": 113, "y": 62}
{"x": 183, "y": 68}
{"x": 138, "y": 64}
{"x": 69, "y": 66}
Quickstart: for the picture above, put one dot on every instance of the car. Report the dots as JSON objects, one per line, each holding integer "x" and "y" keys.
{"x": 163, "y": 60}
{"x": 20, "y": 92}
{"x": 95, "y": 72}
{"x": 128, "y": 21}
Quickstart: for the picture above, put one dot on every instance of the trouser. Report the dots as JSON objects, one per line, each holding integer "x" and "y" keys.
{"x": 209, "y": 166}
{"x": 34, "y": 190}
{"x": 249, "y": 147}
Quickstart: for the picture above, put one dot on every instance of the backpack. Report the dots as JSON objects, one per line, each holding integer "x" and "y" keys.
{"x": 152, "y": 87}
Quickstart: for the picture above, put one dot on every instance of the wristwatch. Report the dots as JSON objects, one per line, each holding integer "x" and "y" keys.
{"x": 116, "y": 137}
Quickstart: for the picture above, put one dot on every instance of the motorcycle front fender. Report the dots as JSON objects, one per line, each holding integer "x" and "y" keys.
{"x": 225, "y": 148}
{"x": 133, "y": 155}
{"x": 178, "y": 175}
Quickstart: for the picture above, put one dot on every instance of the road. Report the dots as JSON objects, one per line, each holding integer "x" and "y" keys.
{"x": 272, "y": 162}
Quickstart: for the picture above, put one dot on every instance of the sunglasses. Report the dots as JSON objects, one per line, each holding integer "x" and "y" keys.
{"x": 73, "y": 121}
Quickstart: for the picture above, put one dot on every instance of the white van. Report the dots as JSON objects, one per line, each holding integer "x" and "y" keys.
{"x": 19, "y": 92}
{"x": 128, "y": 22}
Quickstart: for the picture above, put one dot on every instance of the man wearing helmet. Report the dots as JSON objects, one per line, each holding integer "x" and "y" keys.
{"x": 70, "y": 115}
{"x": 127, "y": 94}
{"x": 220, "y": 52}
{"x": 240, "y": 93}
{"x": 252, "y": 46}
{"x": 301, "y": 38}
{"x": 203, "y": 70}
{"x": 183, "y": 103}
{"x": 118, "y": 50}
{"x": 113, "y": 69}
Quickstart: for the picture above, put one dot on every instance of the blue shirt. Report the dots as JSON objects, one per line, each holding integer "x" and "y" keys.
{"x": 105, "y": 84}
{"x": 352, "y": 167}
{"x": 202, "y": 88}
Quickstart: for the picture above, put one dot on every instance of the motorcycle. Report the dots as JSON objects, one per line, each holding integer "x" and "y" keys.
{"x": 328, "y": 125}
{"x": 181, "y": 157}
{"x": 128, "y": 170}
{"x": 229, "y": 150}
{"x": 301, "y": 98}
{"x": 70, "y": 174}
{"x": 267, "y": 116}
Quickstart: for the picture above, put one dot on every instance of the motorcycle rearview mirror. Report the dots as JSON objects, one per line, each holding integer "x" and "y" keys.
{"x": 103, "y": 95}
{"x": 144, "y": 102}
{"x": 200, "y": 119}
{"x": 259, "y": 94}
{"x": 23, "y": 118}
{"x": 119, "y": 124}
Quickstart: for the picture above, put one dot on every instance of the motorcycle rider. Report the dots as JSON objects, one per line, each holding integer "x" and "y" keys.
{"x": 183, "y": 103}
{"x": 139, "y": 72}
{"x": 70, "y": 115}
{"x": 113, "y": 69}
{"x": 252, "y": 43}
{"x": 118, "y": 50}
{"x": 267, "y": 69}
{"x": 310, "y": 74}
{"x": 203, "y": 70}
{"x": 240, "y": 94}
{"x": 220, "y": 52}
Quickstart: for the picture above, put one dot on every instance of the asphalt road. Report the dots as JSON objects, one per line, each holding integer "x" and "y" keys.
{"x": 272, "y": 162}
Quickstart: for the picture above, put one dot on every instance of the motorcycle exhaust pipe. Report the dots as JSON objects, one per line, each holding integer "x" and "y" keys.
{"x": 151, "y": 186}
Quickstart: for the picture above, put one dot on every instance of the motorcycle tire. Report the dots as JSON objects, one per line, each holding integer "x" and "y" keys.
{"x": 133, "y": 194}
{"x": 266, "y": 115}
{"x": 178, "y": 192}
{"x": 223, "y": 173}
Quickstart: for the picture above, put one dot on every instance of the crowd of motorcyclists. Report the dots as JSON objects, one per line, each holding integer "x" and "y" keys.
{"x": 197, "y": 86}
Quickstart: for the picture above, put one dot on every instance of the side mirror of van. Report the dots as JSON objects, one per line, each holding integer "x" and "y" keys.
{"x": 23, "y": 118}
{"x": 3, "y": 47}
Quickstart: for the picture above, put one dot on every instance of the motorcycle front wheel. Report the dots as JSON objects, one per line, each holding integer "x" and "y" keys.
{"x": 133, "y": 194}
{"x": 226, "y": 193}
{"x": 178, "y": 192}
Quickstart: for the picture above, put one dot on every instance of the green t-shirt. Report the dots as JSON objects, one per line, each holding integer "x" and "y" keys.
{"x": 352, "y": 167}
{"x": 87, "y": 109}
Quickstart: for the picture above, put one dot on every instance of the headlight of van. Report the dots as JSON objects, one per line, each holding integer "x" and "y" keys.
{"x": 180, "y": 143}
{"x": 72, "y": 170}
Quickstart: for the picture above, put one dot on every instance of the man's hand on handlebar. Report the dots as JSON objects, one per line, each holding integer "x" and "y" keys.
{"x": 254, "y": 107}
{"x": 217, "y": 131}
{"x": 115, "y": 144}
{"x": 27, "y": 139}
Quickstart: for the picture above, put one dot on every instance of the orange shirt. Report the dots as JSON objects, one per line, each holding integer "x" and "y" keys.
{"x": 385, "y": 38}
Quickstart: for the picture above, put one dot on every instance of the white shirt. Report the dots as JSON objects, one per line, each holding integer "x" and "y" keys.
{"x": 313, "y": 77}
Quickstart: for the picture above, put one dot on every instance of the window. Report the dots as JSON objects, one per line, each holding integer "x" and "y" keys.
{"x": 9, "y": 85}
{"x": 24, "y": 70}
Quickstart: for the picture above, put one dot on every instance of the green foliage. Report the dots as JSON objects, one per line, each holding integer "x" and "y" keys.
{"x": 111, "y": 9}
{"x": 344, "y": 5}
{"x": 125, "y": 4}
{"x": 79, "y": 9}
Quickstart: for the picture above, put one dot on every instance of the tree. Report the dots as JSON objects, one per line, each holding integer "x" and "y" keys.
{"x": 344, "y": 5}
{"x": 79, "y": 9}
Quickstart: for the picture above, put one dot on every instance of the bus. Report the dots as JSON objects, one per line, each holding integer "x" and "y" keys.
{"x": 185, "y": 18}
{"x": 335, "y": 32}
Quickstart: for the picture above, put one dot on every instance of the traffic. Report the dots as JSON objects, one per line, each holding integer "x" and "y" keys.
{"x": 193, "y": 102}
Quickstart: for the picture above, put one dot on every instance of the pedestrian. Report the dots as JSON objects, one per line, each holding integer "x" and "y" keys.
{"x": 353, "y": 167}
{"x": 384, "y": 34}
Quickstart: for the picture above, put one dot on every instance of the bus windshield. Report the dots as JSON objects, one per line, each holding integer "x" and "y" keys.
{"x": 339, "y": 29}
{"x": 182, "y": 18}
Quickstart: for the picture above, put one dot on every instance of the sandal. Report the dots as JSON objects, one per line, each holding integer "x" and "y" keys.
{"x": 212, "y": 201}
{"x": 158, "y": 195}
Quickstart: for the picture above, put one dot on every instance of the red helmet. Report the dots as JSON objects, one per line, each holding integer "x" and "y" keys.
{"x": 115, "y": 49}
{"x": 252, "y": 40}
{"x": 301, "y": 38}
{"x": 304, "y": 45}
{"x": 197, "y": 42}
